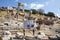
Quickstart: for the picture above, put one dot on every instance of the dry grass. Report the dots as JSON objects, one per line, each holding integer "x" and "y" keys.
{"x": 3, "y": 13}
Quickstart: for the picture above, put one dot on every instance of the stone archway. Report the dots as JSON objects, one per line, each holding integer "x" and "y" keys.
{"x": 18, "y": 9}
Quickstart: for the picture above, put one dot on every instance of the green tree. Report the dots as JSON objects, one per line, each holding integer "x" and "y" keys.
{"x": 45, "y": 14}
{"x": 51, "y": 14}
{"x": 34, "y": 11}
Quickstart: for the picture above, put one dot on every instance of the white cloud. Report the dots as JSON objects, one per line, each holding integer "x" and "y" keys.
{"x": 34, "y": 6}
{"x": 25, "y": 4}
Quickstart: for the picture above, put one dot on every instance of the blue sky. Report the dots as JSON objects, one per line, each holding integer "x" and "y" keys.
{"x": 47, "y": 5}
